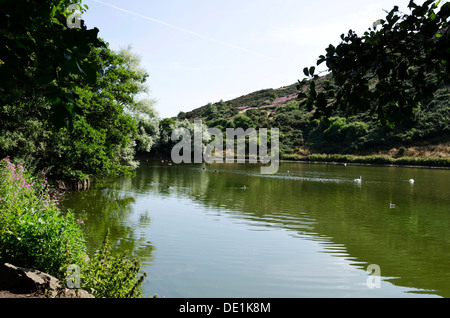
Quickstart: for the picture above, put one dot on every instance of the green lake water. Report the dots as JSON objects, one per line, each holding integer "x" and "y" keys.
{"x": 308, "y": 231}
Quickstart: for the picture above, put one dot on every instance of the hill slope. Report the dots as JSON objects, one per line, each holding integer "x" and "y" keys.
{"x": 427, "y": 135}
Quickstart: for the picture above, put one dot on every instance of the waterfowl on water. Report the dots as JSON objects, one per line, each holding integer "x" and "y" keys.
{"x": 358, "y": 180}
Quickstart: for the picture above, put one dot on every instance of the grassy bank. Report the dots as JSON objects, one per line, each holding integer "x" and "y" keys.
{"x": 35, "y": 233}
{"x": 371, "y": 159}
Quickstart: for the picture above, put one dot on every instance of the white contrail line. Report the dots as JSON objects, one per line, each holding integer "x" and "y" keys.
{"x": 185, "y": 30}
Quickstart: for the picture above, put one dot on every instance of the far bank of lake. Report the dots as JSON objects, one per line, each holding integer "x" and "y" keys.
{"x": 384, "y": 160}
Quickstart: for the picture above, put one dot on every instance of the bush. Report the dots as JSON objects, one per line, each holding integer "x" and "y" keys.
{"x": 112, "y": 276}
{"x": 33, "y": 231}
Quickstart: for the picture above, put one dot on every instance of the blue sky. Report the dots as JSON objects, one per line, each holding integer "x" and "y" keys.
{"x": 201, "y": 51}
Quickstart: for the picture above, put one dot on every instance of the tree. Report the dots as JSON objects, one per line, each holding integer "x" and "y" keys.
{"x": 242, "y": 121}
{"x": 168, "y": 125}
{"x": 395, "y": 66}
{"x": 141, "y": 107}
{"x": 104, "y": 134}
{"x": 41, "y": 52}
{"x": 210, "y": 111}
{"x": 147, "y": 122}
{"x": 106, "y": 130}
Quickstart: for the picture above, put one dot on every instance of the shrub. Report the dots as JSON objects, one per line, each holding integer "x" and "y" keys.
{"x": 401, "y": 151}
{"x": 33, "y": 231}
{"x": 112, "y": 276}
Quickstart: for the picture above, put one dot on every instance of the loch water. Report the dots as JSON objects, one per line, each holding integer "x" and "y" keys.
{"x": 310, "y": 230}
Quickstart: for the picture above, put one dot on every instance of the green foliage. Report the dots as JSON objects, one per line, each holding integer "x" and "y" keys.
{"x": 110, "y": 126}
{"x": 111, "y": 120}
{"x": 164, "y": 145}
{"x": 334, "y": 131}
{"x": 340, "y": 136}
{"x": 147, "y": 122}
{"x": 33, "y": 231}
{"x": 389, "y": 71}
{"x": 112, "y": 276}
{"x": 357, "y": 134}
{"x": 242, "y": 121}
{"x": 40, "y": 54}
{"x": 68, "y": 104}
{"x": 210, "y": 111}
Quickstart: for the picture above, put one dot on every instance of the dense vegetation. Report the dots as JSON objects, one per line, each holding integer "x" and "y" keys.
{"x": 302, "y": 133}
{"x": 69, "y": 109}
{"x": 35, "y": 233}
{"x": 390, "y": 70}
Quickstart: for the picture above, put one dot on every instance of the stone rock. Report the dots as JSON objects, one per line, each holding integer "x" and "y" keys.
{"x": 21, "y": 280}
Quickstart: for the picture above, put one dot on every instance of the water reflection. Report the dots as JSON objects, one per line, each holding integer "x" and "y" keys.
{"x": 320, "y": 203}
{"x": 107, "y": 205}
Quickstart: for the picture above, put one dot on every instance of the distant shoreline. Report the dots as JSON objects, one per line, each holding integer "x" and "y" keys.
{"x": 365, "y": 164}
{"x": 371, "y": 160}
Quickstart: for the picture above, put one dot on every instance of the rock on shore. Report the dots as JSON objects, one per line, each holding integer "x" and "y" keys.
{"x": 19, "y": 282}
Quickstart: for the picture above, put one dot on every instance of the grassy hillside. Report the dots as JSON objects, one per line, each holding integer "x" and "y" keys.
{"x": 426, "y": 136}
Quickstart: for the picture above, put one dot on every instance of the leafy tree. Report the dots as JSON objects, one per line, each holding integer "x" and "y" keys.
{"x": 389, "y": 71}
{"x": 147, "y": 121}
{"x": 41, "y": 52}
{"x": 166, "y": 126}
{"x": 141, "y": 108}
{"x": 210, "y": 111}
{"x": 334, "y": 131}
{"x": 108, "y": 127}
{"x": 242, "y": 121}
{"x": 113, "y": 121}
